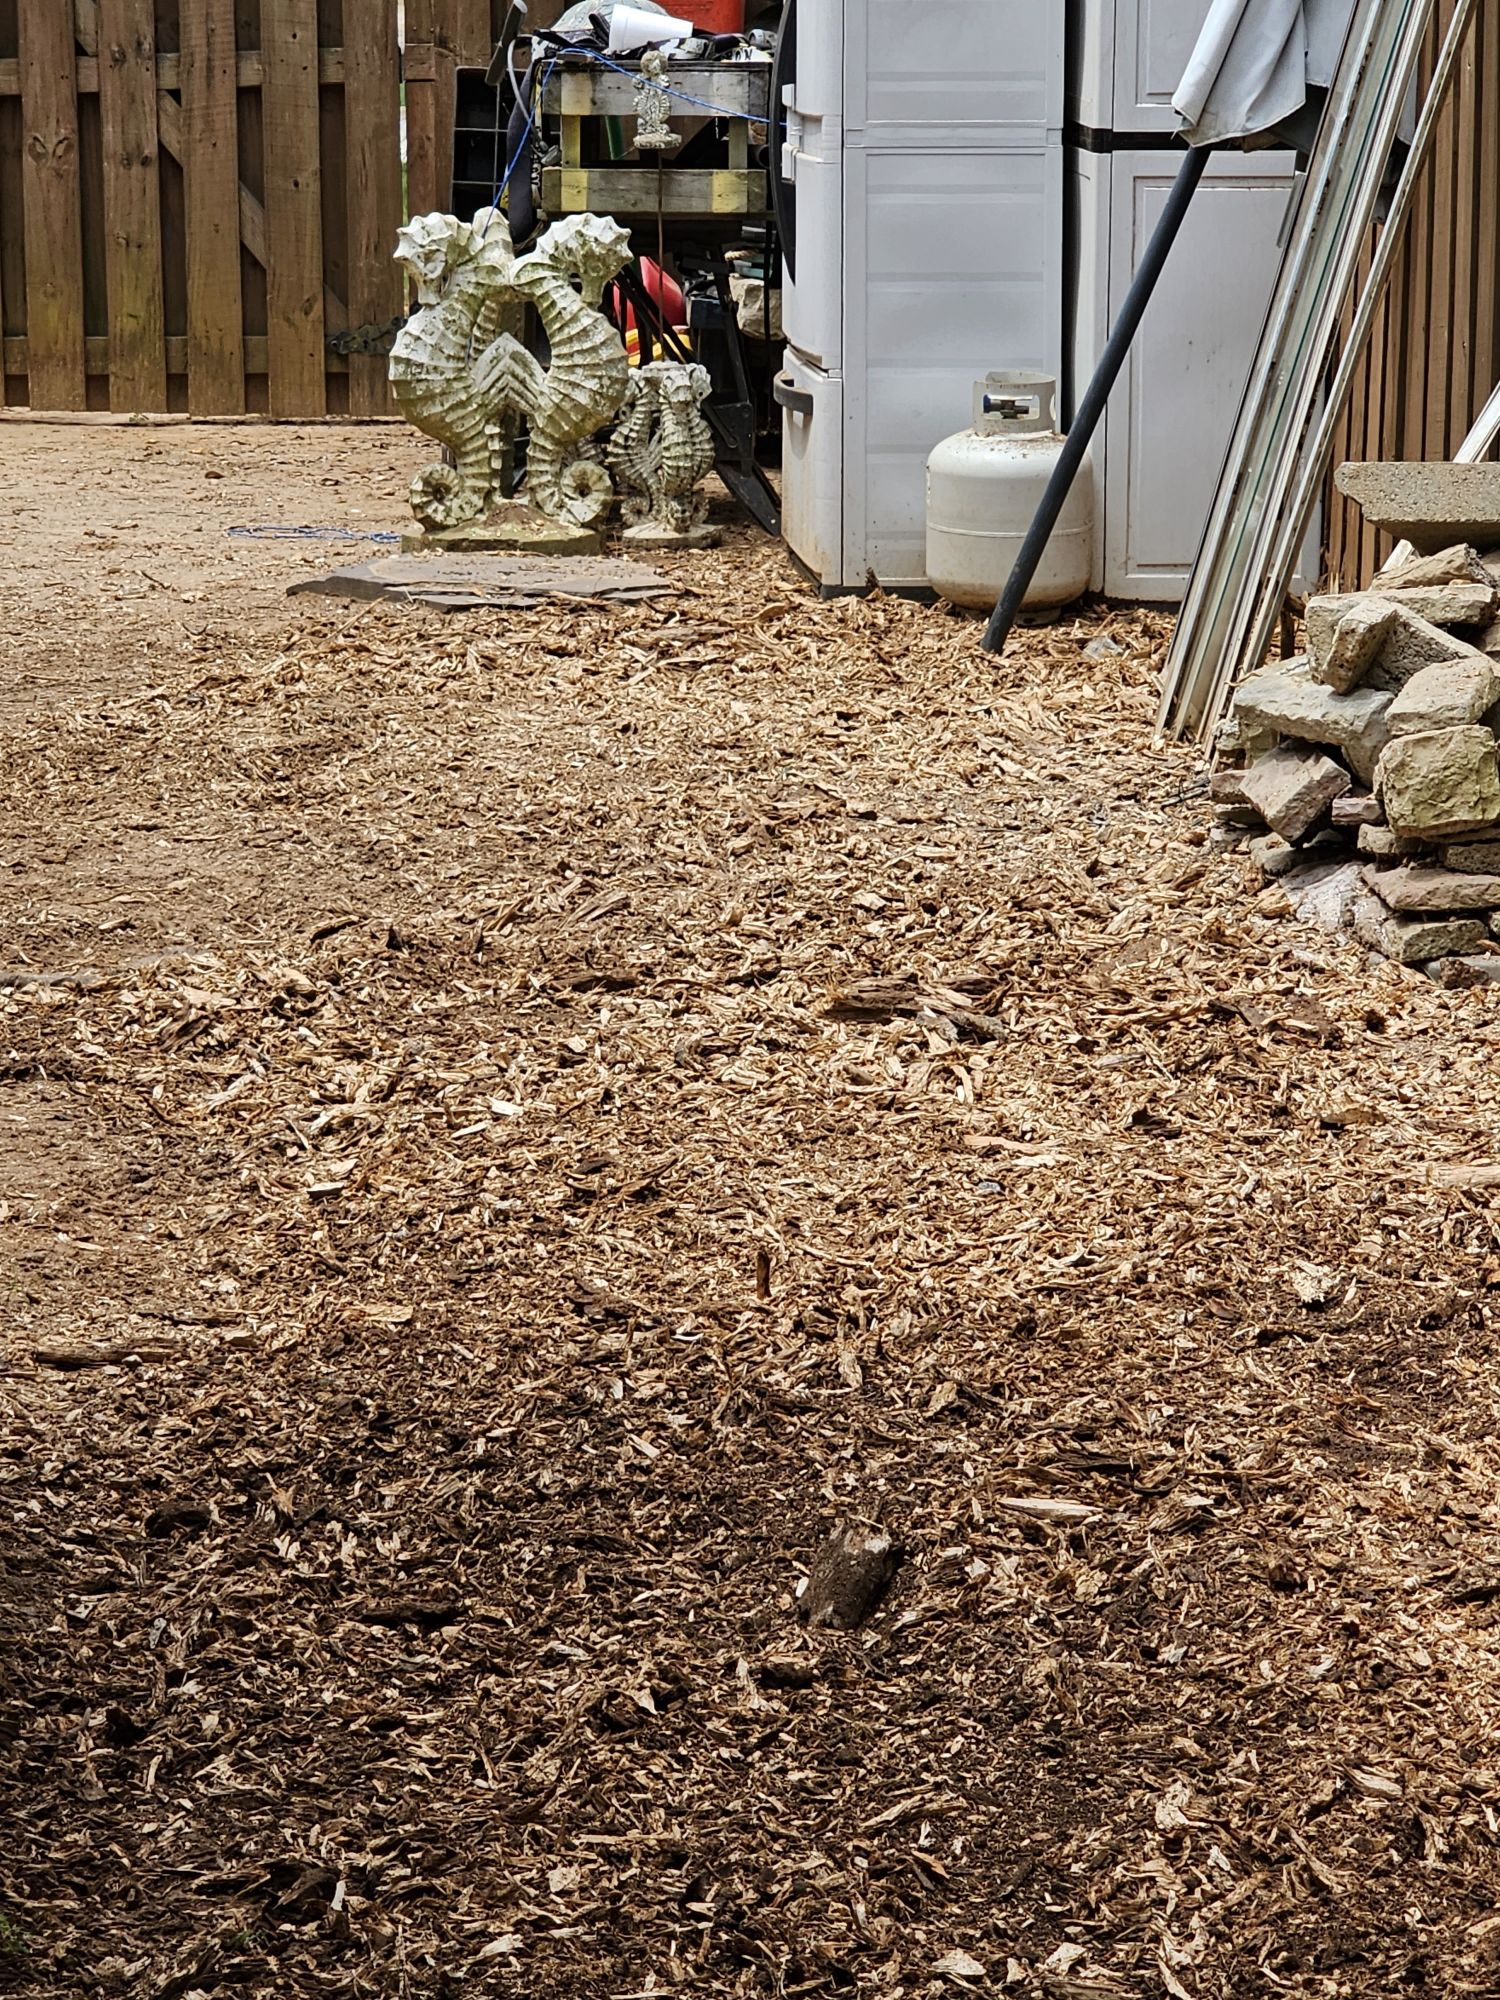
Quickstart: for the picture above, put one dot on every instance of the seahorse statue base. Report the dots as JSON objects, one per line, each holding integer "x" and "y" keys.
{"x": 507, "y": 527}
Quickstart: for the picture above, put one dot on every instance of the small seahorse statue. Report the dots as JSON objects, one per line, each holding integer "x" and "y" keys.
{"x": 653, "y": 106}
{"x": 661, "y": 452}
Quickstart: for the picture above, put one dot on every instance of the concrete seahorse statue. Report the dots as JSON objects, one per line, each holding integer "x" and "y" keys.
{"x": 457, "y": 367}
{"x": 460, "y": 273}
{"x": 661, "y": 452}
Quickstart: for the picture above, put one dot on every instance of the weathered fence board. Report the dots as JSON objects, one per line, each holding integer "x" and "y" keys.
{"x": 372, "y": 104}
{"x": 51, "y": 189}
{"x": 208, "y": 149}
{"x": 196, "y": 196}
{"x": 295, "y": 326}
{"x": 1434, "y": 352}
{"x": 132, "y": 205}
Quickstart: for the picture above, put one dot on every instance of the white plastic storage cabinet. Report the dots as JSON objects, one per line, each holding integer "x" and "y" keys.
{"x": 1161, "y": 446}
{"x": 924, "y": 163}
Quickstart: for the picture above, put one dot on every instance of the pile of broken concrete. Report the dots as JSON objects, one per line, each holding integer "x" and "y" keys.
{"x": 1369, "y": 764}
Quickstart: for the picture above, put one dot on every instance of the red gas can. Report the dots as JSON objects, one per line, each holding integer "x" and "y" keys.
{"x": 716, "y": 17}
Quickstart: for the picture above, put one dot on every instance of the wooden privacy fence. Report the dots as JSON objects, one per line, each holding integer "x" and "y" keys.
{"x": 196, "y": 194}
{"x": 1434, "y": 352}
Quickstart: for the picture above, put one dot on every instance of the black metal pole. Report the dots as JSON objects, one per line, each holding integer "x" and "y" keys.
{"x": 1091, "y": 408}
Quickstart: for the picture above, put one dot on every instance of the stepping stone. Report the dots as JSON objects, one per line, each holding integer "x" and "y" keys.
{"x": 476, "y": 582}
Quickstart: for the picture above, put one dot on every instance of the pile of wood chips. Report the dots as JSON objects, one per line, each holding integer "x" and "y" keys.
{"x": 518, "y": 1129}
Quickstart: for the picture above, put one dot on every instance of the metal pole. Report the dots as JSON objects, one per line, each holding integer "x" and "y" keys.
{"x": 1091, "y": 408}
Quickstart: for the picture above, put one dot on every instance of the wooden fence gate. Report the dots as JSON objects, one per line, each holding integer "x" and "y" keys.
{"x": 196, "y": 194}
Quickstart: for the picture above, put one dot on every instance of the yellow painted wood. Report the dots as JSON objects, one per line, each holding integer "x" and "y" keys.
{"x": 628, "y": 191}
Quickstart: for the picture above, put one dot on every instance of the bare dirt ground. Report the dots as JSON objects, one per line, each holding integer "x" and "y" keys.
{"x": 470, "y": 1227}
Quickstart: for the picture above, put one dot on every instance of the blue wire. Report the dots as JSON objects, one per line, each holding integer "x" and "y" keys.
{"x": 683, "y": 97}
{"x": 515, "y": 159}
{"x": 595, "y": 55}
{"x": 283, "y": 534}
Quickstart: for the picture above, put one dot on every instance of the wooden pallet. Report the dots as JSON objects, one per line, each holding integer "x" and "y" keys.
{"x": 577, "y": 92}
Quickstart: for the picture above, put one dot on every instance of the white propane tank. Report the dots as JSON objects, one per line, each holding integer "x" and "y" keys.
{"x": 983, "y": 489}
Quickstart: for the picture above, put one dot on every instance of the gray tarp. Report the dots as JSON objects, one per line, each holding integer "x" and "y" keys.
{"x": 1254, "y": 62}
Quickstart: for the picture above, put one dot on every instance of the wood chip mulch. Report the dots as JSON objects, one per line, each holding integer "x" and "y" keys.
{"x": 515, "y": 1132}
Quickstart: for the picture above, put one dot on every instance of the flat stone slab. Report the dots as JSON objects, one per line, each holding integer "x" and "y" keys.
{"x": 1273, "y": 856}
{"x": 1357, "y": 809}
{"x": 1285, "y": 699}
{"x": 1292, "y": 789}
{"x": 1433, "y": 891}
{"x": 1449, "y": 604}
{"x": 645, "y": 537}
{"x": 1412, "y": 644}
{"x": 1415, "y": 940}
{"x": 1476, "y": 969}
{"x": 1446, "y": 695}
{"x": 481, "y": 582}
{"x": 1431, "y": 505}
{"x": 1385, "y": 844}
{"x": 1473, "y": 857}
{"x": 1324, "y": 893}
{"x": 1345, "y": 636}
{"x": 1458, "y": 564}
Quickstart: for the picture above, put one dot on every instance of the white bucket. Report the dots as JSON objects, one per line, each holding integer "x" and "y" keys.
{"x": 633, "y": 28}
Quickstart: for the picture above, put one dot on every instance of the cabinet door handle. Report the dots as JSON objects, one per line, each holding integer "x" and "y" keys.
{"x": 790, "y": 397}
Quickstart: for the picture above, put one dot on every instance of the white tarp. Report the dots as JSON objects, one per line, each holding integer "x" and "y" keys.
{"x": 1254, "y": 62}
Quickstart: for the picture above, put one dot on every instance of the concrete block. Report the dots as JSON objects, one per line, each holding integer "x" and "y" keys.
{"x": 1433, "y": 891}
{"x": 1430, "y": 504}
{"x": 1287, "y": 700}
{"x": 1382, "y": 844}
{"x": 1357, "y": 809}
{"x": 1458, "y": 564}
{"x": 1440, "y": 781}
{"x": 1292, "y": 789}
{"x": 1414, "y": 940}
{"x": 1345, "y": 636}
{"x": 1472, "y": 857}
{"x": 1446, "y": 695}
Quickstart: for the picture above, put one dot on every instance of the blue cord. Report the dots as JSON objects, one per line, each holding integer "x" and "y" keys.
{"x": 595, "y": 55}
{"x": 515, "y": 158}
{"x": 682, "y": 96}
